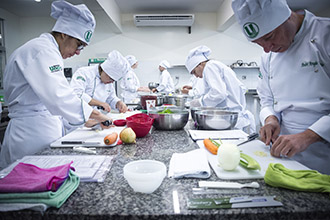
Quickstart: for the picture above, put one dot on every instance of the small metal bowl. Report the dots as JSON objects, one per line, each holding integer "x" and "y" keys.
{"x": 216, "y": 119}
{"x": 193, "y": 110}
{"x": 174, "y": 121}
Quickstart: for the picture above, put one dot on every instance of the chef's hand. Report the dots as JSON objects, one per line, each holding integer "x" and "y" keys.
{"x": 106, "y": 106}
{"x": 187, "y": 87}
{"x": 289, "y": 145}
{"x": 184, "y": 91}
{"x": 154, "y": 90}
{"x": 122, "y": 107}
{"x": 143, "y": 89}
{"x": 97, "y": 117}
{"x": 270, "y": 131}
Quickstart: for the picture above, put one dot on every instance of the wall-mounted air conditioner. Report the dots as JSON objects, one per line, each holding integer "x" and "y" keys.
{"x": 164, "y": 20}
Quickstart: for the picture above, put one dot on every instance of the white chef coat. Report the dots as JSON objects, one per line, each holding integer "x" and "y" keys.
{"x": 197, "y": 85}
{"x": 37, "y": 94}
{"x": 295, "y": 87}
{"x": 87, "y": 84}
{"x": 166, "y": 83}
{"x": 223, "y": 89}
{"x": 129, "y": 85}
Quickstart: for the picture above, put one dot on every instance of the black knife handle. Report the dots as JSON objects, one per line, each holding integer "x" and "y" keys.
{"x": 107, "y": 123}
{"x": 100, "y": 107}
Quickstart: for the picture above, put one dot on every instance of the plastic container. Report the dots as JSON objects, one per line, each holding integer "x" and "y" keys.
{"x": 145, "y": 176}
{"x": 119, "y": 122}
{"x": 140, "y": 123}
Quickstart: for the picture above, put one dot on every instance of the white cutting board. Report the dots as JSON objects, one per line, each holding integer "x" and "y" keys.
{"x": 254, "y": 149}
{"x": 87, "y": 134}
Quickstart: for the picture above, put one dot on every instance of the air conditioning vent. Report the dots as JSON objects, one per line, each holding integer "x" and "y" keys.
{"x": 164, "y": 20}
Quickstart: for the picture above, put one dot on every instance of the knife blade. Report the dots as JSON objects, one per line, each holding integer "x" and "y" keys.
{"x": 251, "y": 137}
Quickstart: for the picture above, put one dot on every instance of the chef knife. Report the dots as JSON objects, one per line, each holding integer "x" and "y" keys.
{"x": 80, "y": 142}
{"x": 251, "y": 137}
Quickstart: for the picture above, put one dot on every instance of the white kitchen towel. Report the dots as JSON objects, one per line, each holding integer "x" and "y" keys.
{"x": 40, "y": 207}
{"x": 192, "y": 164}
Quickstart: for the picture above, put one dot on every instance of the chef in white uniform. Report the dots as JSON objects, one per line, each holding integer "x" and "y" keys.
{"x": 94, "y": 84}
{"x": 222, "y": 88}
{"x": 36, "y": 90}
{"x": 166, "y": 83}
{"x": 294, "y": 86}
{"x": 130, "y": 83}
{"x": 195, "y": 87}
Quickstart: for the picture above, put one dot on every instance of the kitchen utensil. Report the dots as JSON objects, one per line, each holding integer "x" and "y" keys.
{"x": 193, "y": 110}
{"x": 145, "y": 175}
{"x": 85, "y": 150}
{"x": 216, "y": 119}
{"x": 140, "y": 123}
{"x": 107, "y": 123}
{"x": 80, "y": 142}
{"x": 227, "y": 185}
{"x": 152, "y": 85}
{"x": 177, "y": 100}
{"x": 174, "y": 121}
{"x": 251, "y": 137}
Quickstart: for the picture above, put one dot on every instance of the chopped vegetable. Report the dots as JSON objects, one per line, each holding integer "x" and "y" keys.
{"x": 249, "y": 163}
{"x": 211, "y": 146}
{"x": 166, "y": 111}
{"x": 111, "y": 138}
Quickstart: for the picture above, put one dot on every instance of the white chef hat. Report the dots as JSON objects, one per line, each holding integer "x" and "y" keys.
{"x": 116, "y": 66}
{"x": 196, "y": 56}
{"x": 165, "y": 64}
{"x": 259, "y": 17}
{"x": 74, "y": 20}
{"x": 131, "y": 59}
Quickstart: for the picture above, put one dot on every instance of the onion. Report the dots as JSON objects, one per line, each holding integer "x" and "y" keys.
{"x": 128, "y": 136}
{"x": 228, "y": 156}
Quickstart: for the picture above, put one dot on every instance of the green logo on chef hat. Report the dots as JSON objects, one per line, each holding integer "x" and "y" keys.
{"x": 88, "y": 35}
{"x": 251, "y": 29}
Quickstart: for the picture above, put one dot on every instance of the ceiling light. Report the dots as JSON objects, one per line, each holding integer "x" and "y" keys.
{"x": 37, "y": 0}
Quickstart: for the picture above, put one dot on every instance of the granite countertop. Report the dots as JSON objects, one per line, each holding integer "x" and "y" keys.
{"x": 114, "y": 199}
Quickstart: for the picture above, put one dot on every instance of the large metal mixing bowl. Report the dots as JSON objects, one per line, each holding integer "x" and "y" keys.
{"x": 174, "y": 121}
{"x": 216, "y": 119}
{"x": 193, "y": 110}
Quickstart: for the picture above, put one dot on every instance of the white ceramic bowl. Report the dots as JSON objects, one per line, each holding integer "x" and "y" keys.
{"x": 145, "y": 175}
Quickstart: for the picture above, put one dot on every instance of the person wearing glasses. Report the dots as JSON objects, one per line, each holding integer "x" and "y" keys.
{"x": 35, "y": 88}
{"x": 294, "y": 85}
{"x": 94, "y": 84}
{"x": 221, "y": 87}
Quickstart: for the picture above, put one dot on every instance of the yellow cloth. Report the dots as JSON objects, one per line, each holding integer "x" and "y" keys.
{"x": 301, "y": 180}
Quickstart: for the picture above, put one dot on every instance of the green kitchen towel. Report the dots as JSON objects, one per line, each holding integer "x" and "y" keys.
{"x": 53, "y": 199}
{"x": 301, "y": 180}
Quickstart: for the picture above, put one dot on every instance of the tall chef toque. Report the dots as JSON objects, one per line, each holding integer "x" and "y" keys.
{"x": 196, "y": 56}
{"x": 259, "y": 17}
{"x": 131, "y": 59}
{"x": 74, "y": 20}
{"x": 116, "y": 66}
{"x": 165, "y": 64}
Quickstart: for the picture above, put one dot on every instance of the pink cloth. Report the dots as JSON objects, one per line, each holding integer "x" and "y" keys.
{"x": 30, "y": 178}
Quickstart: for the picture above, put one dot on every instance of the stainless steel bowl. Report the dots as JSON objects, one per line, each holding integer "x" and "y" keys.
{"x": 177, "y": 100}
{"x": 216, "y": 119}
{"x": 174, "y": 121}
{"x": 153, "y": 85}
{"x": 193, "y": 110}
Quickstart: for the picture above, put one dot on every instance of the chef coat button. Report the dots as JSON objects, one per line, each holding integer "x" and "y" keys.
{"x": 321, "y": 98}
{"x": 312, "y": 40}
{"x": 316, "y": 70}
{"x": 275, "y": 103}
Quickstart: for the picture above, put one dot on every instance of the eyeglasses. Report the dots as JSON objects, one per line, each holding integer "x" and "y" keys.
{"x": 80, "y": 45}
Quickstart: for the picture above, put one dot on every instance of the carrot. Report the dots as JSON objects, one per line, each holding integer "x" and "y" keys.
{"x": 210, "y": 146}
{"x": 111, "y": 138}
